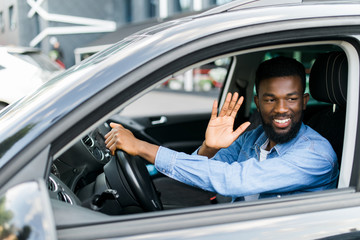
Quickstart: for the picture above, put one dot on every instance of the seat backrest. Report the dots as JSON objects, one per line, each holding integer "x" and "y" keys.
{"x": 328, "y": 78}
{"x": 328, "y": 83}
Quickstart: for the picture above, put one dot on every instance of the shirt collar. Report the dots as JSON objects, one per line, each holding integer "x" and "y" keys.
{"x": 279, "y": 148}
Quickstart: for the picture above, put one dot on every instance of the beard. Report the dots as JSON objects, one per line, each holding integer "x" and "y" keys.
{"x": 282, "y": 137}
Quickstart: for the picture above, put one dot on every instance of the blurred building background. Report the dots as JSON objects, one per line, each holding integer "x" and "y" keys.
{"x": 78, "y": 28}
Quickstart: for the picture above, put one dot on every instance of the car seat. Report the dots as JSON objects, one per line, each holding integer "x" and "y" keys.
{"x": 328, "y": 83}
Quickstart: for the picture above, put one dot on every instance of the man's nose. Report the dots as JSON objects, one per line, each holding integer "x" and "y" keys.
{"x": 281, "y": 106}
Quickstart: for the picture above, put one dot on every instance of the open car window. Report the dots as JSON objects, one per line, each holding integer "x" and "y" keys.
{"x": 156, "y": 118}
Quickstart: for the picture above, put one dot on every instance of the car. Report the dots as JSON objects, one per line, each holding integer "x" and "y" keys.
{"x": 58, "y": 180}
{"x": 22, "y": 70}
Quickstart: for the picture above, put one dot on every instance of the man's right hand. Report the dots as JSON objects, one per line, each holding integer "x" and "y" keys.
{"x": 123, "y": 139}
{"x": 219, "y": 133}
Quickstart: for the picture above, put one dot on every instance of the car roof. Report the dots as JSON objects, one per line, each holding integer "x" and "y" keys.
{"x": 79, "y": 83}
{"x": 246, "y": 4}
{"x": 243, "y": 4}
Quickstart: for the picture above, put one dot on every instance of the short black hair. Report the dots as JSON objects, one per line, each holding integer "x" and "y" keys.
{"x": 280, "y": 67}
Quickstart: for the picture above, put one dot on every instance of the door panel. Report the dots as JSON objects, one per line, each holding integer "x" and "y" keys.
{"x": 183, "y": 133}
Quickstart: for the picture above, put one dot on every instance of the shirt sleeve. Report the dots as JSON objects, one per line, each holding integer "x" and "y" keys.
{"x": 229, "y": 154}
{"x": 301, "y": 167}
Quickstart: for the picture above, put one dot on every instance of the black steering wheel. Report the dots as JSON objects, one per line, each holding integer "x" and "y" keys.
{"x": 129, "y": 176}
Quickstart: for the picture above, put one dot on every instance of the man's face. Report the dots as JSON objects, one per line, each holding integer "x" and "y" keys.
{"x": 281, "y": 102}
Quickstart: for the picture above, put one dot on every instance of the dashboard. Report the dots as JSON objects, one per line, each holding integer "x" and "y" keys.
{"x": 75, "y": 172}
{"x": 88, "y": 175}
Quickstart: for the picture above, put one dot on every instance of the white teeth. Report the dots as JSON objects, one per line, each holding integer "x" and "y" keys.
{"x": 282, "y": 121}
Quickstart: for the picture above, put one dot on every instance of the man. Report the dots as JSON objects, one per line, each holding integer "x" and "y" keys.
{"x": 282, "y": 156}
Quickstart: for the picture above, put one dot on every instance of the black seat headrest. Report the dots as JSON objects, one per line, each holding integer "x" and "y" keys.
{"x": 328, "y": 78}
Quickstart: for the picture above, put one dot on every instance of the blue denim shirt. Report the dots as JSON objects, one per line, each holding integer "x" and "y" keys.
{"x": 306, "y": 163}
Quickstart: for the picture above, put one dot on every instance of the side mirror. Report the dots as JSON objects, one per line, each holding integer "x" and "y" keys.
{"x": 26, "y": 213}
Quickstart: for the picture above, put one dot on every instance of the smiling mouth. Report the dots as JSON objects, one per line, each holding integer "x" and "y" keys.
{"x": 282, "y": 121}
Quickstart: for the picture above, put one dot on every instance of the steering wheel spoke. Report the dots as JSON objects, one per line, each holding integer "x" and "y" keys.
{"x": 130, "y": 177}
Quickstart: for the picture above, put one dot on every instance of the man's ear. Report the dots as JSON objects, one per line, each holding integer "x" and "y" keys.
{"x": 306, "y": 98}
{"x": 256, "y": 100}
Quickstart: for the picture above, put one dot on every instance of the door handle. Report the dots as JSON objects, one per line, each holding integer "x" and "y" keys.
{"x": 158, "y": 121}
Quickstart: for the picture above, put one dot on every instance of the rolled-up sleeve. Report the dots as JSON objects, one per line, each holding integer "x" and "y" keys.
{"x": 195, "y": 170}
{"x": 165, "y": 160}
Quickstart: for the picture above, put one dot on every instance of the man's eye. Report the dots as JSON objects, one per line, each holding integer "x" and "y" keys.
{"x": 292, "y": 99}
{"x": 270, "y": 100}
